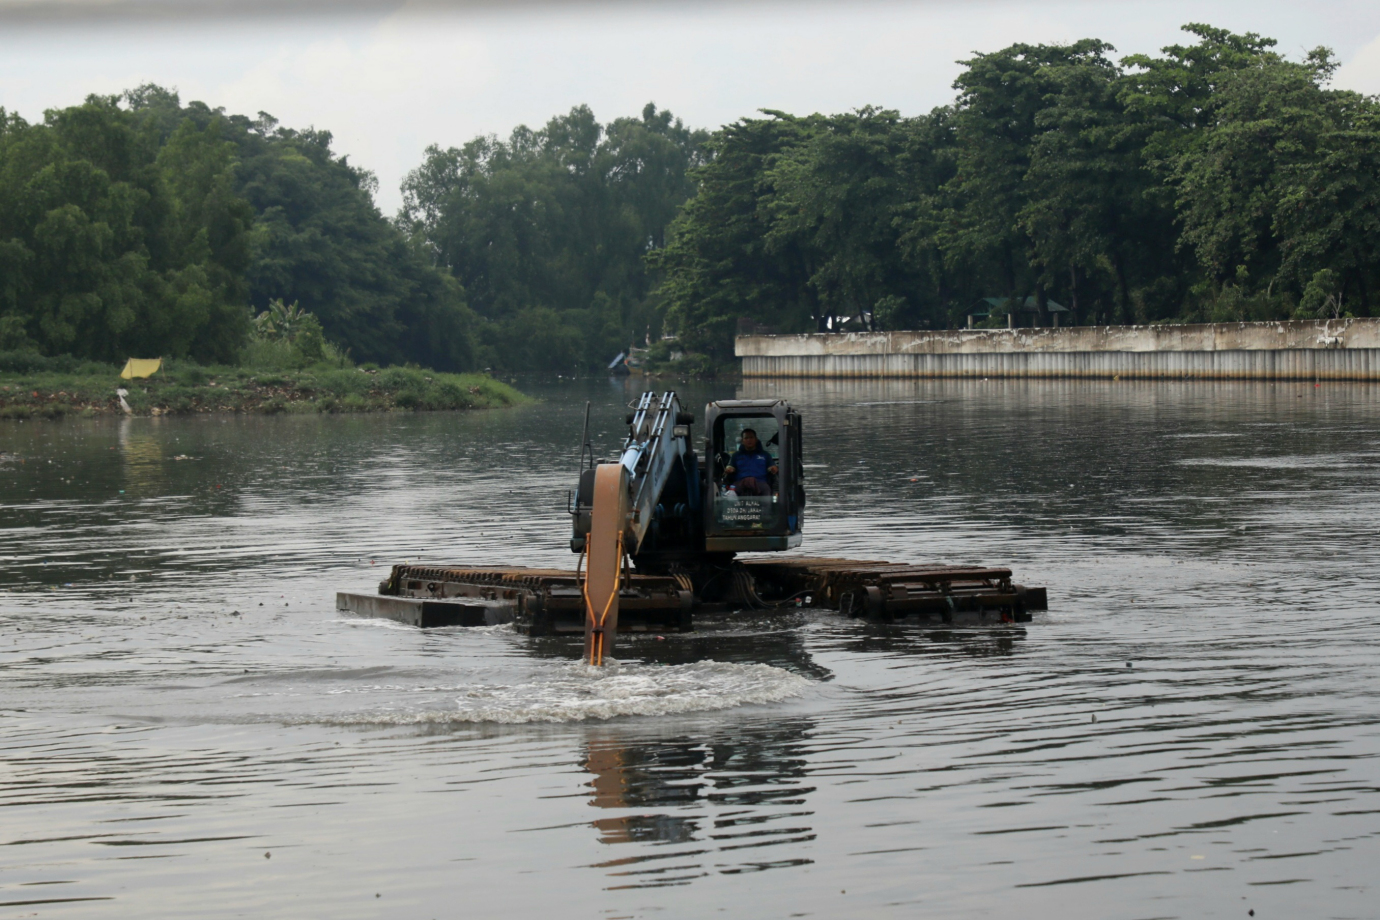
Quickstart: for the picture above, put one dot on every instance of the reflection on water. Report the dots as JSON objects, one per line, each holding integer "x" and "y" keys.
{"x": 701, "y": 806}
{"x": 187, "y": 726}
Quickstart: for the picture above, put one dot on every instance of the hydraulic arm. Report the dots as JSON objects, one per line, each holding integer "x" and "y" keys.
{"x": 624, "y": 501}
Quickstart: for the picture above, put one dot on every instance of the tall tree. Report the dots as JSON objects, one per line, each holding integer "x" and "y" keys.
{"x": 836, "y": 194}
{"x": 996, "y": 121}
{"x": 1099, "y": 238}
{"x": 717, "y": 265}
{"x": 318, "y": 239}
{"x": 548, "y": 229}
{"x": 1328, "y": 218}
{"x": 1215, "y": 180}
{"x": 113, "y": 246}
{"x": 1266, "y": 123}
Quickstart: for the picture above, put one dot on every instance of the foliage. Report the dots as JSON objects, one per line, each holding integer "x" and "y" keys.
{"x": 136, "y": 225}
{"x": 1215, "y": 181}
{"x": 30, "y": 362}
{"x": 114, "y": 241}
{"x": 717, "y": 264}
{"x": 280, "y": 320}
{"x": 286, "y": 335}
{"x": 547, "y": 231}
{"x": 320, "y": 241}
{"x": 1323, "y": 297}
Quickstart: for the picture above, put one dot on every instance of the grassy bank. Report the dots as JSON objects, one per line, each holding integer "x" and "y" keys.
{"x": 56, "y": 388}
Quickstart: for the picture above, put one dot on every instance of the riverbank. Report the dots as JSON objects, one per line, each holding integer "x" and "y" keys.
{"x": 192, "y": 389}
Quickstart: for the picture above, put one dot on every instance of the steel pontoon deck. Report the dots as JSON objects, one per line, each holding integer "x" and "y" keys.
{"x": 547, "y": 601}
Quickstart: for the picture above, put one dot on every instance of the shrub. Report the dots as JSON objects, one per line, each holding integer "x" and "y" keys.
{"x": 29, "y": 362}
{"x": 272, "y": 354}
{"x": 344, "y": 382}
{"x": 95, "y": 369}
{"x": 191, "y": 375}
{"x": 12, "y": 335}
{"x": 310, "y": 341}
{"x": 449, "y": 394}
{"x": 398, "y": 379}
{"x": 176, "y": 399}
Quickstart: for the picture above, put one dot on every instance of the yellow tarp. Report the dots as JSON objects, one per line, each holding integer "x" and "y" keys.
{"x": 140, "y": 367}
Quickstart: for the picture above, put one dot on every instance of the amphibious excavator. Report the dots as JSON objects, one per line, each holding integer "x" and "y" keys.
{"x": 659, "y": 530}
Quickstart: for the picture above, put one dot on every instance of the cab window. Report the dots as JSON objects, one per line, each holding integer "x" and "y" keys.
{"x": 729, "y": 439}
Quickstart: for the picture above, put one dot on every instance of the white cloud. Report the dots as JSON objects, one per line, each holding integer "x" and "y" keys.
{"x": 1362, "y": 72}
{"x": 375, "y": 92}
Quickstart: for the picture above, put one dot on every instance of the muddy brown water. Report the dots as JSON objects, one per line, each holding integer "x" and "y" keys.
{"x": 188, "y": 728}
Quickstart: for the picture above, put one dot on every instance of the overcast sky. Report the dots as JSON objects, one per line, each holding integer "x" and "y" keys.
{"x": 389, "y": 79}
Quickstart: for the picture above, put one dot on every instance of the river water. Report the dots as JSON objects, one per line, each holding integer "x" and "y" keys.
{"x": 189, "y": 728}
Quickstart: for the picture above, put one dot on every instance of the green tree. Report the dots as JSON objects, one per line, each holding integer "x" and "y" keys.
{"x": 317, "y": 238}
{"x": 995, "y": 123}
{"x": 1101, "y": 240}
{"x": 1173, "y": 94}
{"x": 1212, "y": 181}
{"x": 137, "y": 225}
{"x": 1266, "y": 119}
{"x": 1327, "y": 218}
{"x": 717, "y": 265}
{"x": 111, "y": 249}
{"x": 554, "y": 223}
{"x": 836, "y": 196}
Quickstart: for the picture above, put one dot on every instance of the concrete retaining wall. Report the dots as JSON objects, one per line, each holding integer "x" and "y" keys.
{"x": 1347, "y": 349}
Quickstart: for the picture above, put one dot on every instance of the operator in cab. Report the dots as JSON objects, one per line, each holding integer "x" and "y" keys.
{"x": 750, "y": 466}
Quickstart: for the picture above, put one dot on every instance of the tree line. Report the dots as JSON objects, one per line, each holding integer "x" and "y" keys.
{"x": 1215, "y": 181}
{"x": 134, "y": 225}
{"x": 549, "y": 230}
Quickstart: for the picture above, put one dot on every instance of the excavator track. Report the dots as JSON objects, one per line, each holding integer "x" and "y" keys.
{"x": 890, "y": 590}
{"x": 551, "y": 601}
{"x": 543, "y": 601}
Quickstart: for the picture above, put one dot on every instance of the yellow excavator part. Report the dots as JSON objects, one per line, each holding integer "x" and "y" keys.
{"x": 604, "y": 560}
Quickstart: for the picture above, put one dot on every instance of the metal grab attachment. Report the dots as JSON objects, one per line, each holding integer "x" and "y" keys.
{"x": 596, "y": 628}
{"x": 603, "y": 560}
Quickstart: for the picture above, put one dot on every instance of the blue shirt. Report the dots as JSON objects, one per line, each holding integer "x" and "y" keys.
{"x": 751, "y": 463}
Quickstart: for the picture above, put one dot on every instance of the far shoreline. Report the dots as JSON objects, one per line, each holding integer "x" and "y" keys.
{"x": 193, "y": 390}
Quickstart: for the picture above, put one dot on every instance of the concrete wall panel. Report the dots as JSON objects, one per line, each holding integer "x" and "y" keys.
{"x": 1346, "y": 349}
{"x": 1294, "y": 334}
{"x": 1284, "y": 364}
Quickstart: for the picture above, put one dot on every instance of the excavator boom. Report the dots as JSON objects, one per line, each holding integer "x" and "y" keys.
{"x": 623, "y": 506}
{"x": 658, "y": 441}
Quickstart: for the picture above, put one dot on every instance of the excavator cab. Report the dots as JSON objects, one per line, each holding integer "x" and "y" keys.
{"x": 735, "y": 520}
